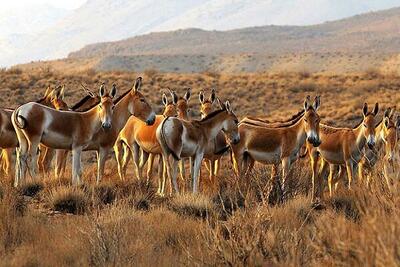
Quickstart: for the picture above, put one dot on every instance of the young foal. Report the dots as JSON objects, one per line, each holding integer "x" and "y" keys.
{"x": 183, "y": 139}
{"x": 35, "y": 123}
{"x": 276, "y": 145}
{"x": 342, "y": 146}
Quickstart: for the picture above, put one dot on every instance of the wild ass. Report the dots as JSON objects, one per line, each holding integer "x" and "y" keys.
{"x": 189, "y": 139}
{"x": 132, "y": 102}
{"x": 8, "y": 137}
{"x": 90, "y": 129}
{"x": 385, "y": 146}
{"x": 216, "y": 147}
{"x": 137, "y": 135}
{"x": 275, "y": 146}
{"x": 342, "y": 146}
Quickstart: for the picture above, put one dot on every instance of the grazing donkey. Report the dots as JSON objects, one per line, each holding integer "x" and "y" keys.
{"x": 189, "y": 139}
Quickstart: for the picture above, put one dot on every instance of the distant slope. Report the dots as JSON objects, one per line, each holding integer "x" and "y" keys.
{"x": 110, "y": 20}
{"x": 357, "y": 43}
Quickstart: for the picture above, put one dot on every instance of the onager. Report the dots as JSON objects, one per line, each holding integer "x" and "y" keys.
{"x": 216, "y": 147}
{"x": 276, "y": 145}
{"x": 134, "y": 130}
{"x": 342, "y": 146}
{"x": 132, "y": 102}
{"x": 138, "y": 136}
{"x": 386, "y": 142}
{"x": 35, "y": 123}
{"x": 8, "y": 137}
{"x": 189, "y": 139}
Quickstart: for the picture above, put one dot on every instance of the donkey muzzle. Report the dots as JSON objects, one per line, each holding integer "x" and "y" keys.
{"x": 236, "y": 140}
{"x": 314, "y": 141}
{"x": 151, "y": 120}
{"x": 106, "y": 125}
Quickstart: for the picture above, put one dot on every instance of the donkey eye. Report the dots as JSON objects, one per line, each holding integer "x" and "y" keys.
{"x": 113, "y": 107}
{"x": 365, "y": 125}
{"x": 100, "y": 106}
{"x": 142, "y": 100}
{"x": 305, "y": 120}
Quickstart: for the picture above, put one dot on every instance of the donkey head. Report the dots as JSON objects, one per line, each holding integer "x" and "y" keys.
{"x": 389, "y": 133}
{"x": 206, "y": 105}
{"x": 106, "y": 106}
{"x": 169, "y": 107}
{"x": 57, "y": 99}
{"x": 311, "y": 120}
{"x": 368, "y": 124}
{"x": 230, "y": 123}
{"x": 138, "y": 106}
{"x": 182, "y": 104}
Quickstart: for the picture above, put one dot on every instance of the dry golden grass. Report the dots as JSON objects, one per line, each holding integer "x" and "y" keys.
{"x": 232, "y": 222}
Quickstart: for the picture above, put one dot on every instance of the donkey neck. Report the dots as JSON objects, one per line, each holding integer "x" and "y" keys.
{"x": 91, "y": 118}
{"x": 212, "y": 126}
{"x": 183, "y": 115}
{"x": 360, "y": 138}
{"x": 121, "y": 112}
{"x": 298, "y": 128}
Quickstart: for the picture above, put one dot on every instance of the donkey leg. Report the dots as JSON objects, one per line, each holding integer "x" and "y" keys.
{"x": 330, "y": 178}
{"x": 285, "y": 173}
{"x": 150, "y": 165}
{"x": 143, "y": 160}
{"x": 33, "y": 154}
{"x": 349, "y": 169}
{"x": 118, "y": 157}
{"x": 76, "y": 166}
{"x": 58, "y": 165}
{"x": 196, "y": 168}
{"x": 182, "y": 171}
{"x": 101, "y": 162}
{"x": 127, "y": 155}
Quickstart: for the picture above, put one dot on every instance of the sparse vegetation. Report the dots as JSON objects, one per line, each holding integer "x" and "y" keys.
{"x": 233, "y": 222}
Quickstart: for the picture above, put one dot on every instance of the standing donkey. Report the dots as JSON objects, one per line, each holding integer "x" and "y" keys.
{"x": 276, "y": 145}
{"x": 216, "y": 147}
{"x": 342, "y": 146}
{"x": 136, "y": 135}
{"x": 35, "y": 124}
{"x": 189, "y": 139}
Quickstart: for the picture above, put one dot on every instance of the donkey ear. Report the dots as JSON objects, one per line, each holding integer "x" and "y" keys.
{"x": 62, "y": 92}
{"x": 138, "y": 84}
{"x": 212, "y": 96}
{"x": 221, "y": 106}
{"x": 102, "y": 90}
{"x": 188, "y": 94}
{"x": 365, "y": 109}
{"x": 386, "y": 121}
{"x": 174, "y": 97}
{"x": 164, "y": 99}
{"x": 47, "y": 92}
{"x": 392, "y": 111}
{"x": 201, "y": 97}
{"x": 113, "y": 92}
{"x": 376, "y": 109}
{"x": 317, "y": 102}
{"x": 228, "y": 106}
{"x": 307, "y": 103}
{"x": 387, "y": 112}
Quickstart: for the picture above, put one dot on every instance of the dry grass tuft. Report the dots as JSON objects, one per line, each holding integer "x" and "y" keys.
{"x": 31, "y": 189}
{"x": 192, "y": 205}
{"x": 68, "y": 199}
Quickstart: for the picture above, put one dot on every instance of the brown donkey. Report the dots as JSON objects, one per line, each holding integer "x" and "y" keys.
{"x": 342, "y": 146}
{"x": 189, "y": 139}
{"x": 216, "y": 147}
{"x": 386, "y": 142}
{"x": 276, "y": 145}
{"x": 35, "y": 124}
{"x": 8, "y": 137}
{"x": 126, "y": 144}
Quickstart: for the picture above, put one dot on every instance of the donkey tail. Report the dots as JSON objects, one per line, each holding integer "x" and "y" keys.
{"x": 164, "y": 142}
{"x": 19, "y": 120}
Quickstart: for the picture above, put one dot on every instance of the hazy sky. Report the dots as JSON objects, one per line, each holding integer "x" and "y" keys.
{"x": 69, "y": 4}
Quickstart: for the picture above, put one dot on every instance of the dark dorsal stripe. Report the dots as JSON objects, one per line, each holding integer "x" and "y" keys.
{"x": 212, "y": 115}
{"x": 81, "y": 102}
{"x": 121, "y": 96}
